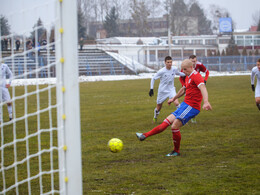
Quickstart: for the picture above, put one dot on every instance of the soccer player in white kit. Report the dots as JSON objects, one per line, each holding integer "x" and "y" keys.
{"x": 5, "y": 93}
{"x": 166, "y": 87}
{"x": 256, "y": 73}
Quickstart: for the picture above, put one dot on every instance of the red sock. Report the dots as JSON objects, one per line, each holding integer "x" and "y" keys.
{"x": 176, "y": 136}
{"x": 160, "y": 128}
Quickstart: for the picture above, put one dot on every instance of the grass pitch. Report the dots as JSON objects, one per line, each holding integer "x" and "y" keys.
{"x": 219, "y": 155}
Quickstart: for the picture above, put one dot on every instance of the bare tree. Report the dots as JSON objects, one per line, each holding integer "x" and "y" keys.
{"x": 111, "y": 23}
{"x": 216, "y": 12}
{"x": 256, "y": 18}
{"x": 140, "y": 13}
{"x": 5, "y": 27}
{"x": 203, "y": 25}
{"x": 123, "y": 8}
{"x": 86, "y": 7}
{"x": 179, "y": 19}
{"x": 104, "y": 8}
{"x": 155, "y": 9}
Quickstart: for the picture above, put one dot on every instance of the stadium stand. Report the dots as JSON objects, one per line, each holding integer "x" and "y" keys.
{"x": 97, "y": 62}
{"x": 91, "y": 62}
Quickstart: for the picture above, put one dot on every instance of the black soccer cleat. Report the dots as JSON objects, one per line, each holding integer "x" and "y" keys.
{"x": 140, "y": 136}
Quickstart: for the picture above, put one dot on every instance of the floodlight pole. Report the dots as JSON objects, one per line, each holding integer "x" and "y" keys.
{"x": 169, "y": 32}
{"x": 169, "y": 41}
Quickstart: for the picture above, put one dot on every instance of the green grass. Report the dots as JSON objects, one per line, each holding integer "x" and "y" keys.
{"x": 219, "y": 155}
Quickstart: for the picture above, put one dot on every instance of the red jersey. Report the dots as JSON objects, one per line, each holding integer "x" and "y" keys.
{"x": 193, "y": 95}
{"x": 199, "y": 68}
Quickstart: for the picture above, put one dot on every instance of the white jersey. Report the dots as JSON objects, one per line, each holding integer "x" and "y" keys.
{"x": 5, "y": 71}
{"x": 256, "y": 73}
{"x": 166, "y": 79}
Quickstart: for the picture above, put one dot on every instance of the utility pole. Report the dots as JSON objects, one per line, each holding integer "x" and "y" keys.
{"x": 169, "y": 32}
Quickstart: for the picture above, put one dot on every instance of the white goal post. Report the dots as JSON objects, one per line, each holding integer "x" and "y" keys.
{"x": 67, "y": 83}
{"x": 40, "y": 148}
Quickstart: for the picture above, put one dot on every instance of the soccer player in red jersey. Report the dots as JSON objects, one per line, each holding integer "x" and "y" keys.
{"x": 199, "y": 67}
{"x": 195, "y": 91}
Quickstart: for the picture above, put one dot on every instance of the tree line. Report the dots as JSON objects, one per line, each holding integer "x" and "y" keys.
{"x": 110, "y": 12}
{"x": 179, "y": 13}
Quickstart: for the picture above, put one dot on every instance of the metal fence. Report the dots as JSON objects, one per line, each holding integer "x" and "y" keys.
{"x": 217, "y": 63}
{"x": 106, "y": 65}
{"x": 229, "y": 63}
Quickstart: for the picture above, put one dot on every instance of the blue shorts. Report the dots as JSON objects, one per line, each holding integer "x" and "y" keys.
{"x": 185, "y": 112}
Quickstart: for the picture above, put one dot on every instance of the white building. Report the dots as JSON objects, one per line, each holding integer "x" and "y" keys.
{"x": 249, "y": 40}
{"x": 152, "y": 50}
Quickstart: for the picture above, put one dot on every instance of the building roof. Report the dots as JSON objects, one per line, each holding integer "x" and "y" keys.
{"x": 253, "y": 28}
{"x": 129, "y": 40}
{"x": 241, "y": 30}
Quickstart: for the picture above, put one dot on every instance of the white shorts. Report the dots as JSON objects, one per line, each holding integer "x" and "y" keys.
{"x": 5, "y": 95}
{"x": 161, "y": 97}
{"x": 257, "y": 90}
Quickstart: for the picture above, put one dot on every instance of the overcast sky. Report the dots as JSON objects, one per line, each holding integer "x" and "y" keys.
{"x": 23, "y": 14}
{"x": 240, "y": 10}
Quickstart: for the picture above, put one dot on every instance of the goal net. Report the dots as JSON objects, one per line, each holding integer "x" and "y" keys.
{"x": 40, "y": 144}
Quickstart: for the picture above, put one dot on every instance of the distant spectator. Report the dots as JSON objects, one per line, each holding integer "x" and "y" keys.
{"x": 29, "y": 47}
{"x": 5, "y": 44}
{"x": 2, "y": 44}
{"x": 81, "y": 43}
{"x": 17, "y": 44}
{"x": 10, "y": 43}
{"x": 38, "y": 48}
{"x": 33, "y": 42}
{"x": 53, "y": 42}
{"x": 44, "y": 43}
{"x": 28, "y": 44}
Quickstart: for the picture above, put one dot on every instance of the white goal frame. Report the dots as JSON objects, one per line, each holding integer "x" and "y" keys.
{"x": 68, "y": 85}
{"x": 68, "y": 131}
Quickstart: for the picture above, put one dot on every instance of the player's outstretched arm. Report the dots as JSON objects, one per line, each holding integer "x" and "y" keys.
{"x": 206, "y": 75}
{"x": 155, "y": 77}
{"x": 180, "y": 93}
{"x": 253, "y": 73}
{"x": 10, "y": 75}
{"x": 204, "y": 92}
{"x": 181, "y": 74}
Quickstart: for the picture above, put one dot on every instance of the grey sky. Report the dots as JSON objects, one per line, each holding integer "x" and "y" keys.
{"x": 240, "y": 10}
{"x": 23, "y": 14}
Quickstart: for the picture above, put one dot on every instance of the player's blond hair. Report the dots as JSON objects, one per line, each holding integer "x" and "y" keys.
{"x": 186, "y": 63}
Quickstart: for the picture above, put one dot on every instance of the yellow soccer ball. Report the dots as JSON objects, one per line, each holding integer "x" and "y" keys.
{"x": 115, "y": 145}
